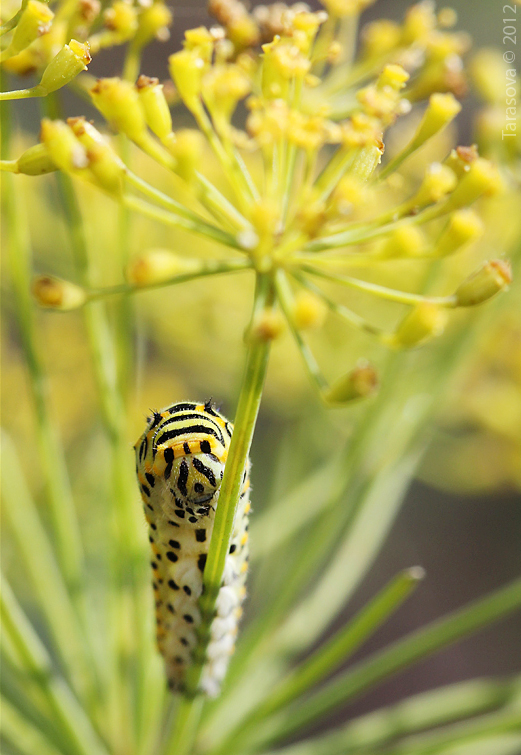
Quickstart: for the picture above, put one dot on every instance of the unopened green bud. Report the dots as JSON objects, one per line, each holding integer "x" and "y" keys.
{"x": 463, "y": 227}
{"x": 360, "y": 382}
{"x": 118, "y": 101}
{"x": 63, "y": 147}
{"x": 155, "y": 106}
{"x": 487, "y": 281}
{"x": 158, "y": 266}
{"x": 55, "y": 293}
{"x": 442, "y": 109}
{"x": 34, "y": 21}
{"x": 66, "y": 65}
{"x": 424, "y": 322}
{"x": 35, "y": 161}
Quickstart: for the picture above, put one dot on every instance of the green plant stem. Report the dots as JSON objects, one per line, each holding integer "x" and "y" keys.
{"x": 47, "y": 580}
{"x": 324, "y": 660}
{"x": 208, "y": 267}
{"x": 50, "y": 452}
{"x": 62, "y": 703}
{"x": 415, "y": 646}
{"x": 401, "y": 297}
{"x": 285, "y": 297}
{"x": 199, "y": 225}
{"x": 414, "y": 714}
{"x": 127, "y": 570}
{"x": 244, "y": 426}
{"x": 176, "y": 221}
{"x": 27, "y": 739}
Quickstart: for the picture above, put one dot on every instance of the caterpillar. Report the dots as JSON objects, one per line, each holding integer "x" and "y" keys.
{"x": 180, "y": 462}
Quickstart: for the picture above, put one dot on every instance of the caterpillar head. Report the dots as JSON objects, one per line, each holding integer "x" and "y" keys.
{"x": 194, "y": 479}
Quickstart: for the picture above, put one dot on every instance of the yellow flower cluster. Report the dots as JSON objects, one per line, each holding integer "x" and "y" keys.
{"x": 305, "y": 195}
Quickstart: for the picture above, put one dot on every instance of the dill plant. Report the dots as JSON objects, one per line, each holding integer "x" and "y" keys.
{"x": 298, "y": 196}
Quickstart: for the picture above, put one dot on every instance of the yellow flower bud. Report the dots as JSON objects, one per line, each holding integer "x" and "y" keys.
{"x": 393, "y": 76}
{"x": 188, "y": 150}
{"x": 360, "y": 382}
{"x": 34, "y": 21}
{"x": 408, "y": 241}
{"x": 155, "y": 106}
{"x": 481, "y": 179}
{"x": 121, "y": 19}
{"x": 222, "y": 88}
{"x": 442, "y": 109}
{"x": 153, "y": 22}
{"x": 68, "y": 63}
{"x": 118, "y": 101}
{"x": 463, "y": 227}
{"x": 63, "y": 147}
{"x": 424, "y": 322}
{"x": 267, "y": 325}
{"x": 202, "y": 41}
{"x": 438, "y": 182}
{"x": 35, "y": 161}
{"x": 488, "y": 71}
{"x": 309, "y": 311}
{"x": 187, "y": 68}
{"x": 379, "y": 38}
{"x": 342, "y": 8}
{"x": 420, "y": 21}
{"x": 487, "y": 281}
{"x": 158, "y": 266}
{"x": 55, "y": 293}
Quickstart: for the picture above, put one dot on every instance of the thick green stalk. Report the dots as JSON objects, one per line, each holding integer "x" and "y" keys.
{"x": 244, "y": 426}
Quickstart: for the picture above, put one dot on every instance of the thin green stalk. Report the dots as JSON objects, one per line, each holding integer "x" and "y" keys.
{"x": 22, "y": 734}
{"x": 245, "y": 420}
{"x": 176, "y": 221}
{"x": 327, "y": 657}
{"x": 208, "y": 267}
{"x": 483, "y": 727}
{"x": 346, "y": 314}
{"x": 401, "y": 297}
{"x": 70, "y": 716}
{"x": 360, "y": 234}
{"x": 50, "y": 452}
{"x": 414, "y": 714}
{"x": 285, "y": 298}
{"x": 415, "y": 646}
{"x": 204, "y": 228}
{"x": 37, "y": 556}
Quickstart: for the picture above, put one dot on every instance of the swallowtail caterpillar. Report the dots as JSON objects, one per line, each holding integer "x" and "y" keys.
{"x": 180, "y": 462}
